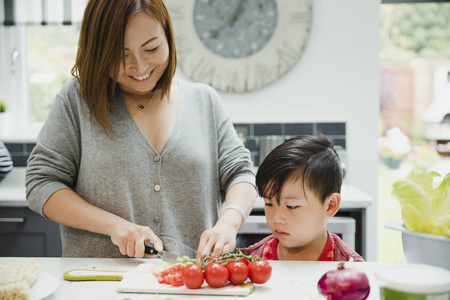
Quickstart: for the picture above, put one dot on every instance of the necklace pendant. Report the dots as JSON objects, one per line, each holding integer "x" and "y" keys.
{"x": 141, "y": 107}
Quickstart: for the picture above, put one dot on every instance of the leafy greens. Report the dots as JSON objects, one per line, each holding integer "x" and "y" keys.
{"x": 425, "y": 208}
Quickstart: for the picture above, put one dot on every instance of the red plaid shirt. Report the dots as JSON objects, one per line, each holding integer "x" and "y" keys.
{"x": 270, "y": 249}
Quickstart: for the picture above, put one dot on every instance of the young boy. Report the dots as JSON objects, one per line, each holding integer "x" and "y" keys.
{"x": 300, "y": 182}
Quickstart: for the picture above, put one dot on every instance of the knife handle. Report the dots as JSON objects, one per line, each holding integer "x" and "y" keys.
{"x": 150, "y": 250}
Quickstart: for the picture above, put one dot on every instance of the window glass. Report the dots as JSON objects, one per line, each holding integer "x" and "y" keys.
{"x": 414, "y": 59}
{"x": 51, "y": 52}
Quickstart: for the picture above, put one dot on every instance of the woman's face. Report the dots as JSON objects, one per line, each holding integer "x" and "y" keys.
{"x": 146, "y": 55}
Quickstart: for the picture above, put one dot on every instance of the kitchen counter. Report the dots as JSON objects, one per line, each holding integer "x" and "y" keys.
{"x": 12, "y": 197}
{"x": 12, "y": 189}
{"x": 12, "y": 193}
{"x": 290, "y": 279}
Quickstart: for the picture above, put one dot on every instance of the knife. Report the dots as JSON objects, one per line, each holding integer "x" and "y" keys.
{"x": 165, "y": 256}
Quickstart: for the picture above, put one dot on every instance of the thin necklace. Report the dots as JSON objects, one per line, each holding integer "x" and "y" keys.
{"x": 142, "y": 106}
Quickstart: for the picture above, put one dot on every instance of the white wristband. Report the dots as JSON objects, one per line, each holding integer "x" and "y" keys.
{"x": 239, "y": 210}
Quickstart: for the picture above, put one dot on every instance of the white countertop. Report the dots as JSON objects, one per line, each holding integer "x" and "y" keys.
{"x": 12, "y": 193}
{"x": 289, "y": 280}
{"x": 12, "y": 189}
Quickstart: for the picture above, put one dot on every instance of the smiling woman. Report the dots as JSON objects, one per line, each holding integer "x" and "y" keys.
{"x": 129, "y": 155}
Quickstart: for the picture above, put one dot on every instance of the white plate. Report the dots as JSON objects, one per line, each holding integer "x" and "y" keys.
{"x": 44, "y": 286}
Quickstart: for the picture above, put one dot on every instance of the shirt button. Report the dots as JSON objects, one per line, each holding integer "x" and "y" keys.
{"x": 157, "y": 187}
{"x": 156, "y": 158}
{"x": 156, "y": 219}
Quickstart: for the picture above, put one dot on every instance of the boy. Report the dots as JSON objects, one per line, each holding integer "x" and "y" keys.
{"x": 300, "y": 182}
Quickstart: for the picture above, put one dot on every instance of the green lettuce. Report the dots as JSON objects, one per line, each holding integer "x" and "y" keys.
{"x": 425, "y": 207}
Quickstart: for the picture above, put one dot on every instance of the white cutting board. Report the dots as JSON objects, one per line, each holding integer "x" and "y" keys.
{"x": 141, "y": 280}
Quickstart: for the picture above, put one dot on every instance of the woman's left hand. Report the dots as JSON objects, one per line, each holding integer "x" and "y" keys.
{"x": 219, "y": 239}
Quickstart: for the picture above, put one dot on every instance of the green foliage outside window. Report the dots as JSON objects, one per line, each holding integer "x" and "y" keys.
{"x": 51, "y": 56}
{"x": 409, "y": 31}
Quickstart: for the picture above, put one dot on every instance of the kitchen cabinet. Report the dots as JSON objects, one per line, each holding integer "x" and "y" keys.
{"x": 22, "y": 231}
{"x": 26, "y": 233}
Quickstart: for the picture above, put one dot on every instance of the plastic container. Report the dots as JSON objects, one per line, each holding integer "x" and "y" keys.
{"x": 414, "y": 282}
{"x": 423, "y": 248}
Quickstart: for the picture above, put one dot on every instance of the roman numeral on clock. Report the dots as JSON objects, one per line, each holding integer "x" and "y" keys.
{"x": 287, "y": 55}
{"x": 299, "y": 17}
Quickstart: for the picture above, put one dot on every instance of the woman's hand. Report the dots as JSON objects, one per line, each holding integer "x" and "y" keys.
{"x": 130, "y": 239}
{"x": 219, "y": 239}
{"x": 222, "y": 237}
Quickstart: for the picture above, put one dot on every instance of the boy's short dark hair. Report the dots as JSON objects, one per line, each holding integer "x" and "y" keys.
{"x": 312, "y": 159}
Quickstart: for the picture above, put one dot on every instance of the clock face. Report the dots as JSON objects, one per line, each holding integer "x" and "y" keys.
{"x": 235, "y": 29}
{"x": 239, "y": 45}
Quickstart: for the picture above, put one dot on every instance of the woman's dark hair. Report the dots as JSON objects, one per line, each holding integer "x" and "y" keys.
{"x": 311, "y": 159}
{"x": 101, "y": 49}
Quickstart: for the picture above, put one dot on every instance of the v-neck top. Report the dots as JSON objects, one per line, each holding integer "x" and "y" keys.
{"x": 178, "y": 193}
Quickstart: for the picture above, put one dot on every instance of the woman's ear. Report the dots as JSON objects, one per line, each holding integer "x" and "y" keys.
{"x": 333, "y": 202}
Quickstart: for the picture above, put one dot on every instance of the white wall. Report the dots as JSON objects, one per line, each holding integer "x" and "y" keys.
{"x": 336, "y": 79}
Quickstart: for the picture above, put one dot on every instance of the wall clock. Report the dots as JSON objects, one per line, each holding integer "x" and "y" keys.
{"x": 239, "y": 45}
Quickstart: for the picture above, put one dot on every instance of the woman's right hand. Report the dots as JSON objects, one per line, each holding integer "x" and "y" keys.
{"x": 130, "y": 239}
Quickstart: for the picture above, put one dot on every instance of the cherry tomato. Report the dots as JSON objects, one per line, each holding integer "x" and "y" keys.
{"x": 216, "y": 275}
{"x": 259, "y": 271}
{"x": 193, "y": 276}
{"x": 168, "y": 279}
{"x": 244, "y": 260}
{"x": 177, "y": 279}
{"x": 160, "y": 279}
{"x": 238, "y": 272}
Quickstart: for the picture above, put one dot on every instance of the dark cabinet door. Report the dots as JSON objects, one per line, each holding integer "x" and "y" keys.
{"x": 24, "y": 233}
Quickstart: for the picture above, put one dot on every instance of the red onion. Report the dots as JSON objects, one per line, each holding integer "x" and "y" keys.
{"x": 343, "y": 284}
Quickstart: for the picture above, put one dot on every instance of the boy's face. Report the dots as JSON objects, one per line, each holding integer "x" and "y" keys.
{"x": 298, "y": 221}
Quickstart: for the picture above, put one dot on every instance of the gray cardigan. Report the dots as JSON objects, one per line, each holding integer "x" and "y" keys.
{"x": 177, "y": 193}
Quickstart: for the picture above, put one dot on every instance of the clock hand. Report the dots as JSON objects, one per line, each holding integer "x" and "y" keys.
{"x": 215, "y": 32}
{"x": 237, "y": 13}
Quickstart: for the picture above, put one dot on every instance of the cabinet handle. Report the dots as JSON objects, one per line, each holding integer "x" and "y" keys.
{"x": 12, "y": 220}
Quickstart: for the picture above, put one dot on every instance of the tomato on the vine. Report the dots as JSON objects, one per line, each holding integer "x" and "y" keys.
{"x": 238, "y": 272}
{"x": 216, "y": 275}
{"x": 259, "y": 271}
{"x": 193, "y": 276}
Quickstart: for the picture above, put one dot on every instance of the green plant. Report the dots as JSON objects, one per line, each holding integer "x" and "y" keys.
{"x": 425, "y": 200}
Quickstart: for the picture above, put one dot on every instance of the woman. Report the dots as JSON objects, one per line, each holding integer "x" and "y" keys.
{"x": 129, "y": 154}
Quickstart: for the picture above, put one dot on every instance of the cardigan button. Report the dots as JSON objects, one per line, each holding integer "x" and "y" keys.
{"x": 156, "y": 158}
{"x": 157, "y": 187}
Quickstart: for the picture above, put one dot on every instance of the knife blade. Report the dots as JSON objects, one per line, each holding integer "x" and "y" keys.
{"x": 165, "y": 256}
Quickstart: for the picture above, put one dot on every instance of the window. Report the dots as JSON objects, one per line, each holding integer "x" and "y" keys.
{"x": 40, "y": 60}
{"x": 51, "y": 52}
{"x": 414, "y": 60}
{"x": 38, "y": 53}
